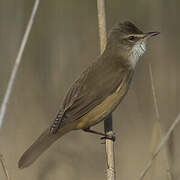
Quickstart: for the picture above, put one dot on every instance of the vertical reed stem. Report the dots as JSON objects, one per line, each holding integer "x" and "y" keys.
{"x": 108, "y": 122}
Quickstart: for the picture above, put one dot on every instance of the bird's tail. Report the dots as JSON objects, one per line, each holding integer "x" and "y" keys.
{"x": 40, "y": 145}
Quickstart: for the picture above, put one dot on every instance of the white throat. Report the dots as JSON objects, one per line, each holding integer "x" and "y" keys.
{"x": 138, "y": 50}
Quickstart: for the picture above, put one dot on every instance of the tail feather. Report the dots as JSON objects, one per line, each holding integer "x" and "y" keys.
{"x": 40, "y": 145}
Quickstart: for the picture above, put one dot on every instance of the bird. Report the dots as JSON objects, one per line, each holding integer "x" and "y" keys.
{"x": 99, "y": 89}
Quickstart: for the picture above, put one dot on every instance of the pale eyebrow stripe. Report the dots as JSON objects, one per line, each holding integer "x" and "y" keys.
{"x": 135, "y": 35}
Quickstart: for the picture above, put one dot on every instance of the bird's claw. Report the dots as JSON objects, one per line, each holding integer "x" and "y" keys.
{"x": 108, "y": 136}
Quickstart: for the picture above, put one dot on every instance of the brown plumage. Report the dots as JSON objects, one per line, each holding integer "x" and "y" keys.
{"x": 96, "y": 93}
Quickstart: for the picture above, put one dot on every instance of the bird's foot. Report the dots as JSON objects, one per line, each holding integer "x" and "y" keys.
{"x": 109, "y": 136}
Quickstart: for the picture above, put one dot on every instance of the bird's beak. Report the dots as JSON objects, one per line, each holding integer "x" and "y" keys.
{"x": 147, "y": 35}
{"x": 150, "y": 34}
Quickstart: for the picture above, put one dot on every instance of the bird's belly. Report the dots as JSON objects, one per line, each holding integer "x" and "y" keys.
{"x": 102, "y": 110}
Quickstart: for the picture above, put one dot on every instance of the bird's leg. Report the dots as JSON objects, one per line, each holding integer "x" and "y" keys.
{"x": 105, "y": 136}
{"x": 94, "y": 132}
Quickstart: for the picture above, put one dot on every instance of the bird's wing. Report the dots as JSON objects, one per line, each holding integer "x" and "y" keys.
{"x": 94, "y": 85}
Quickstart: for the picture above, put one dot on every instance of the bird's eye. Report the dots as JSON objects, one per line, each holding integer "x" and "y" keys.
{"x": 131, "y": 38}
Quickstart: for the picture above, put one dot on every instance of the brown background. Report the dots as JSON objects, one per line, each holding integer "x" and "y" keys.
{"x": 63, "y": 41}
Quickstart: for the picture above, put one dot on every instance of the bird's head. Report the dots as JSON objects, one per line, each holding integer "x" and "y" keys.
{"x": 128, "y": 41}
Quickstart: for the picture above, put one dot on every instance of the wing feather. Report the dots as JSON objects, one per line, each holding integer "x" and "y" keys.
{"x": 94, "y": 85}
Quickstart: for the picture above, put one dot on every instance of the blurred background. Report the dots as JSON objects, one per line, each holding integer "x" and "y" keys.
{"x": 64, "y": 41}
